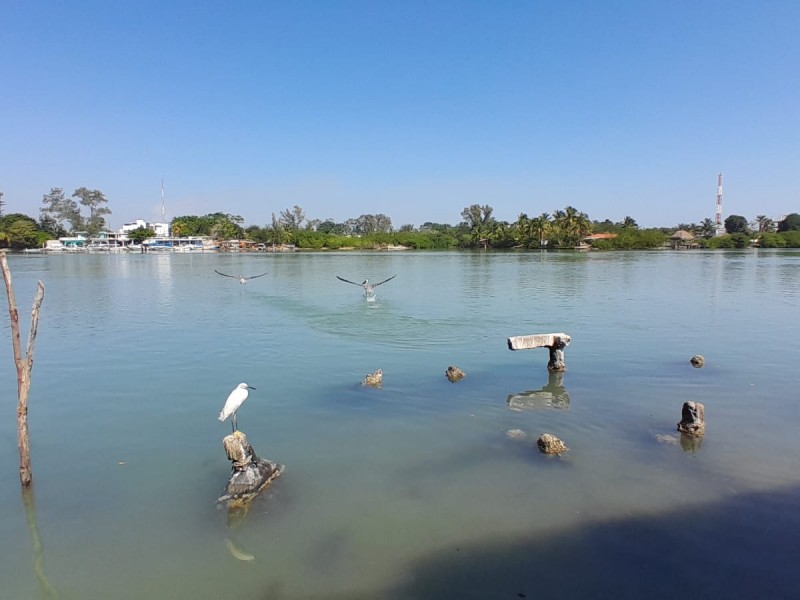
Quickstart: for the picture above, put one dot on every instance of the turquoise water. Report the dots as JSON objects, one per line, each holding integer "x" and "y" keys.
{"x": 413, "y": 490}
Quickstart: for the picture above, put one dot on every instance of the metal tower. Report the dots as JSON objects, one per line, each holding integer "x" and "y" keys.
{"x": 720, "y": 228}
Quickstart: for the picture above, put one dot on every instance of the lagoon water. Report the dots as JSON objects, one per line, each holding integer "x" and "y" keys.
{"x": 413, "y": 490}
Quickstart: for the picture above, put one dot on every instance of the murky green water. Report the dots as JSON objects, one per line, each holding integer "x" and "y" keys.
{"x": 413, "y": 490}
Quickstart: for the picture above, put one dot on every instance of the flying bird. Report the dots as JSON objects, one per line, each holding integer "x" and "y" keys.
{"x": 242, "y": 279}
{"x": 369, "y": 288}
{"x": 235, "y": 400}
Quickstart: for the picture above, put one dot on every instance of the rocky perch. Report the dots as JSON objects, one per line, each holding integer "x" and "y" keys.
{"x": 550, "y": 444}
{"x": 374, "y": 379}
{"x": 249, "y": 474}
{"x": 693, "y": 419}
{"x": 454, "y": 374}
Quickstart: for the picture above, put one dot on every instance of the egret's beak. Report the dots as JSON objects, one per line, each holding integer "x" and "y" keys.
{"x": 250, "y": 387}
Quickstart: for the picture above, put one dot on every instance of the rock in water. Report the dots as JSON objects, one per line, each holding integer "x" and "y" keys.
{"x": 550, "y": 444}
{"x": 454, "y": 374}
{"x": 374, "y": 379}
{"x": 249, "y": 473}
{"x": 693, "y": 419}
{"x": 697, "y": 361}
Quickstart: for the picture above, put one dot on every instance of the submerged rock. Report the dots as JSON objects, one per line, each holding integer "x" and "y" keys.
{"x": 550, "y": 444}
{"x": 454, "y": 374}
{"x": 671, "y": 439}
{"x": 697, "y": 361}
{"x": 374, "y": 379}
{"x": 516, "y": 434}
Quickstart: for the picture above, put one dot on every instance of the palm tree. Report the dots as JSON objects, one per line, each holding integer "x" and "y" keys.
{"x": 572, "y": 225}
{"x": 584, "y": 225}
{"x": 557, "y": 227}
{"x": 765, "y": 224}
{"x": 541, "y": 227}
{"x": 479, "y": 219}
{"x": 522, "y": 230}
{"x": 708, "y": 227}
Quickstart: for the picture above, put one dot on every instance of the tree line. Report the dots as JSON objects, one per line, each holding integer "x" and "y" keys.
{"x": 86, "y": 211}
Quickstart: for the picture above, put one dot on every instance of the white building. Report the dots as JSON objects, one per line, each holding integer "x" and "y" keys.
{"x": 161, "y": 229}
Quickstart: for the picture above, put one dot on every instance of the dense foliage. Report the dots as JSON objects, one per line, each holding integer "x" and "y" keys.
{"x": 567, "y": 228}
{"x": 790, "y": 223}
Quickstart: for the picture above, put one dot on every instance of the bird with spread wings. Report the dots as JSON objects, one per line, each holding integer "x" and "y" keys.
{"x": 369, "y": 288}
{"x": 242, "y": 278}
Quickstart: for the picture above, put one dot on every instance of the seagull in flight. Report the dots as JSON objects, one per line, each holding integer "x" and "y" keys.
{"x": 242, "y": 279}
{"x": 369, "y": 288}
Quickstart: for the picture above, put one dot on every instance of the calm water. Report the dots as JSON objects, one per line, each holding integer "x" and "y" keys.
{"x": 413, "y": 490}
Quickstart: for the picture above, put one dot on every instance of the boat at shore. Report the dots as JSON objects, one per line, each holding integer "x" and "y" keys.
{"x": 123, "y": 245}
{"x": 179, "y": 244}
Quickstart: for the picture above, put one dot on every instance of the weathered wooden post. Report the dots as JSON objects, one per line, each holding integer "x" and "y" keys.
{"x": 24, "y": 366}
{"x": 555, "y": 342}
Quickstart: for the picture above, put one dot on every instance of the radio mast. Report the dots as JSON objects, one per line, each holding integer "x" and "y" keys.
{"x": 720, "y": 228}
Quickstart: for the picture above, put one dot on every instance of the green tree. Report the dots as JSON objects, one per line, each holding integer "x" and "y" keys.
{"x": 708, "y": 228}
{"x": 22, "y": 233}
{"x": 541, "y": 228}
{"x": 62, "y": 210}
{"x": 771, "y": 240}
{"x": 790, "y": 223}
{"x": 50, "y": 226}
{"x": 629, "y": 223}
{"x": 226, "y": 227}
{"x": 736, "y": 224}
{"x": 478, "y": 219}
{"x": 279, "y": 234}
{"x": 292, "y": 219}
{"x": 96, "y": 202}
{"x": 522, "y": 230}
{"x": 765, "y": 224}
{"x": 140, "y": 234}
{"x": 369, "y": 224}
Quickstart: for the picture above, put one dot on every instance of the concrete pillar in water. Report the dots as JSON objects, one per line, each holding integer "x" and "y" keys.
{"x": 554, "y": 342}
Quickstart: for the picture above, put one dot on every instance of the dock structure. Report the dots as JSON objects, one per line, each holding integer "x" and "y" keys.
{"x": 555, "y": 342}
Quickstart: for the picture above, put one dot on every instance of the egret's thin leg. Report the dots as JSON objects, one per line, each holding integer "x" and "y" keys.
{"x": 233, "y": 423}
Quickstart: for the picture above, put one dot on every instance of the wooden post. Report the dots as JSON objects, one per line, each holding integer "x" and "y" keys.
{"x": 24, "y": 366}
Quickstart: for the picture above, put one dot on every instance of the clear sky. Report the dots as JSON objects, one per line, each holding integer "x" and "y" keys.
{"x": 413, "y": 109}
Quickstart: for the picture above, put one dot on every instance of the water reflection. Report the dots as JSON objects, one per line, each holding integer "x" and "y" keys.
{"x": 691, "y": 443}
{"x": 48, "y": 591}
{"x": 551, "y": 395}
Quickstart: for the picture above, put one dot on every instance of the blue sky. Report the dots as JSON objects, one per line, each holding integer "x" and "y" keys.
{"x": 413, "y": 109}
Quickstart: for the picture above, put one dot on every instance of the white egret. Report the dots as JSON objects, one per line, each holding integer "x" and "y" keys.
{"x": 235, "y": 399}
{"x": 242, "y": 278}
{"x": 369, "y": 288}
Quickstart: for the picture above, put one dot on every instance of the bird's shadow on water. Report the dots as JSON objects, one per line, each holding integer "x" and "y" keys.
{"x": 744, "y": 546}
